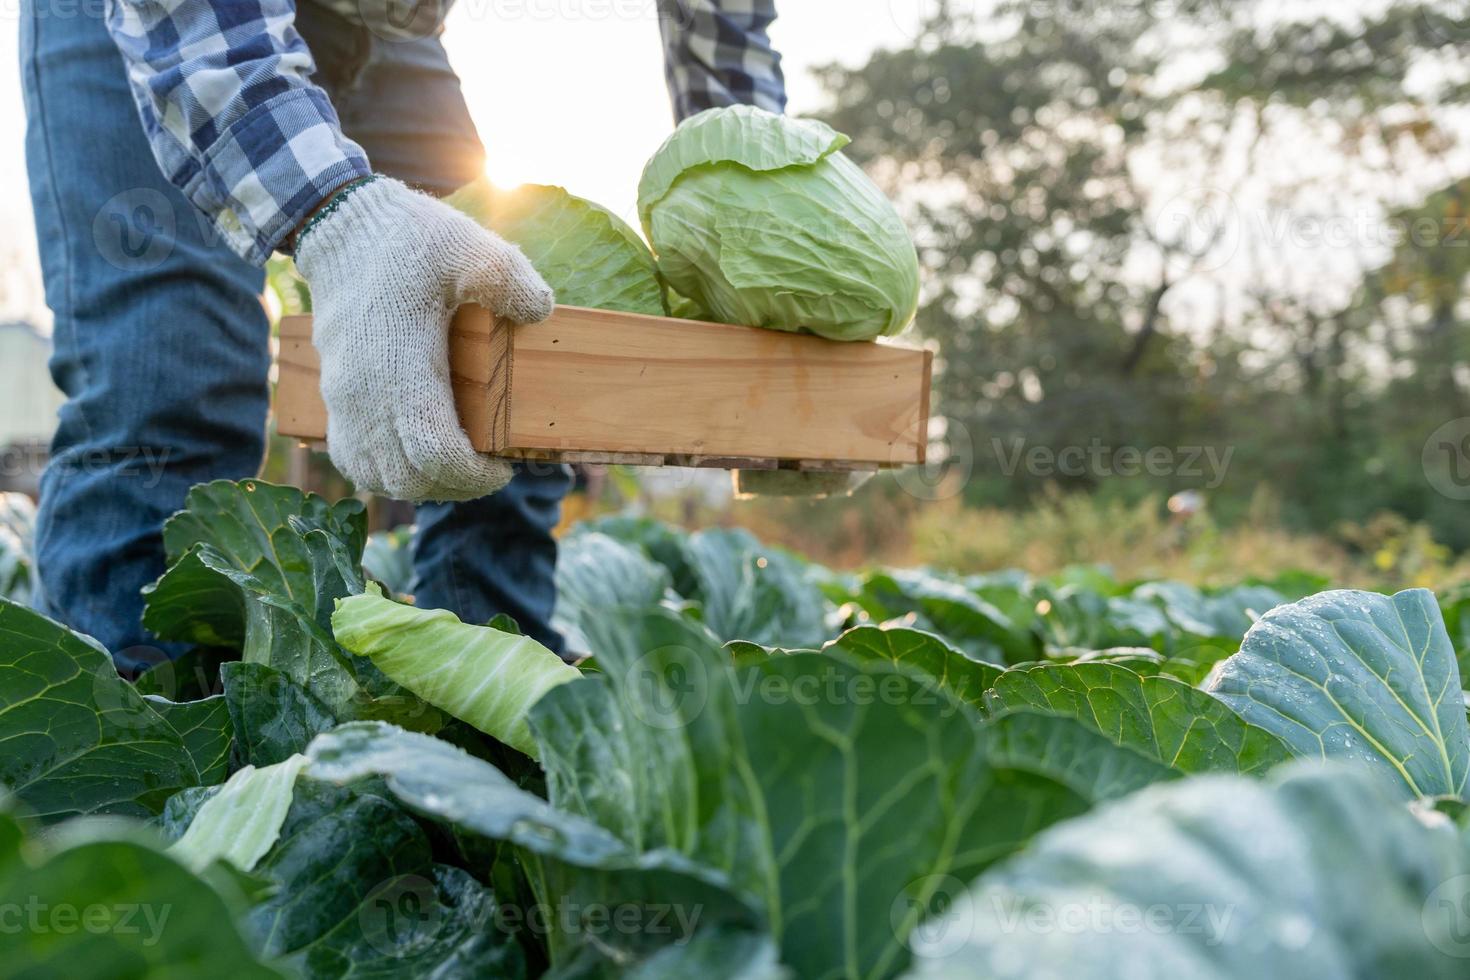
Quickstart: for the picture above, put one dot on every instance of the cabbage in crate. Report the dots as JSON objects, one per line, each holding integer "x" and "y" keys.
{"x": 588, "y": 255}
{"x": 758, "y": 219}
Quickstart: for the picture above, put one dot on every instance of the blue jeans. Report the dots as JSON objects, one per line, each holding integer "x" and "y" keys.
{"x": 162, "y": 345}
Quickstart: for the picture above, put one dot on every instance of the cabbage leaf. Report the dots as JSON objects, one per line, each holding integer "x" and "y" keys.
{"x": 587, "y": 254}
{"x": 241, "y": 822}
{"x": 482, "y": 676}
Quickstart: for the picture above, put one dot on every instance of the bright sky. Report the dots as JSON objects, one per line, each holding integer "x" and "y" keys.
{"x": 563, "y": 92}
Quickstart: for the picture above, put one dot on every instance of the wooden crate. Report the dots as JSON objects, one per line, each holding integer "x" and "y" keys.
{"x": 598, "y": 386}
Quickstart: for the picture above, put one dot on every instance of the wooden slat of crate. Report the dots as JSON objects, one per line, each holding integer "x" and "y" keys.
{"x": 298, "y": 402}
{"x": 479, "y": 358}
{"x": 596, "y": 385}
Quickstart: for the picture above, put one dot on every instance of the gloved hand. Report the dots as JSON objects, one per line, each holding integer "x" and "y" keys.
{"x": 387, "y": 267}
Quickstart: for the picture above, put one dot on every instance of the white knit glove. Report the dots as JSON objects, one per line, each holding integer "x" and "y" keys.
{"x": 387, "y": 267}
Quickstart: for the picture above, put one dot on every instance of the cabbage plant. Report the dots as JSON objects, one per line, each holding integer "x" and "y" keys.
{"x": 769, "y": 770}
{"x": 757, "y": 219}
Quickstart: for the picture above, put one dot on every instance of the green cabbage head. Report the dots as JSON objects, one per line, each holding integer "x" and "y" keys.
{"x": 757, "y": 219}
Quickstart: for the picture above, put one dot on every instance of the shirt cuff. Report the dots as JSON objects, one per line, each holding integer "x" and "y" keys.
{"x": 264, "y": 174}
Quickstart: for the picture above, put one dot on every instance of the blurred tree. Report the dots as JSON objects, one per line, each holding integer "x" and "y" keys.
{"x": 1164, "y": 225}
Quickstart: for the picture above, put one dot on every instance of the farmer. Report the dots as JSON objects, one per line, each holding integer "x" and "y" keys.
{"x": 173, "y": 145}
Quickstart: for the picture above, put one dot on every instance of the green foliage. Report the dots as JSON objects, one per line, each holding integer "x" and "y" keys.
{"x": 1157, "y": 715}
{"x": 573, "y": 863}
{"x": 257, "y": 567}
{"x": 79, "y": 739}
{"x": 596, "y": 572}
{"x": 710, "y": 803}
{"x": 927, "y": 653}
{"x": 103, "y": 899}
{"x": 1367, "y": 677}
{"x": 355, "y": 890}
{"x": 1242, "y": 878}
{"x": 930, "y": 602}
{"x": 274, "y": 718}
{"x": 750, "y": 591}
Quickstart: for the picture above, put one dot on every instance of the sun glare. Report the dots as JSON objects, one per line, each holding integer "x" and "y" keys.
{"x": 507, "y": 171}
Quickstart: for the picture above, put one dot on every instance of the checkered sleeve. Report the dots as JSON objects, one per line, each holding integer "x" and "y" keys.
{"x": 222, "y": 87}
{"x": 717, "y": 52}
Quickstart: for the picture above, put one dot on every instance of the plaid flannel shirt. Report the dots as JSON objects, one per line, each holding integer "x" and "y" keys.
{"x": 225, "y": 93}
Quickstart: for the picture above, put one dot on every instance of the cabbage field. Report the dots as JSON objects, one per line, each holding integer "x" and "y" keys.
{"x": 765, "y": 769}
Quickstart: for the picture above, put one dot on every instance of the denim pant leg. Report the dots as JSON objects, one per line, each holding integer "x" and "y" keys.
{"x": 162, "y": 347}
{"x": 404, "y": 106}
{"x": 160, "y": 341}
{"x": 496, "y": 554}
